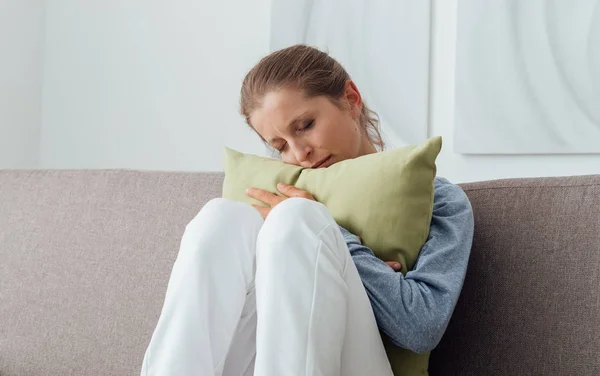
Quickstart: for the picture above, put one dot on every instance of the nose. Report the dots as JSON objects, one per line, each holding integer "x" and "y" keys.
{"x": 302, "y": 152}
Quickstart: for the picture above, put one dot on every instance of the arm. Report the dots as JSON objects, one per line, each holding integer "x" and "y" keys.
{"x": 414, "y": 310}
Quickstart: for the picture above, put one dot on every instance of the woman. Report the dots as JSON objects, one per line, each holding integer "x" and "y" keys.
{"x": 284, "y": 290}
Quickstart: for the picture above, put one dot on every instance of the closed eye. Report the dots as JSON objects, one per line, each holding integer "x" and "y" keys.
{"x": 307, "y": 125}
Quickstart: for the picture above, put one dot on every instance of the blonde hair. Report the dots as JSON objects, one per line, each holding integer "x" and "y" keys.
{"x": 310, "y": 70}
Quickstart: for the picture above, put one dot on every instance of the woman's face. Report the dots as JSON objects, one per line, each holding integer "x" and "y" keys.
{"x": 312, "y": 132}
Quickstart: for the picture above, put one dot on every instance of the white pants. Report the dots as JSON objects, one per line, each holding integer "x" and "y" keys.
{"x": 267, "y": 298}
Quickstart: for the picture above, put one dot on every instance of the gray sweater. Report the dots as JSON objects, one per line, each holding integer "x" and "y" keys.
{"x": 414, "y": 310}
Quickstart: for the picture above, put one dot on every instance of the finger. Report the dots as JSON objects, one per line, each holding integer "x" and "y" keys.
{"x": 264, "y": 196}
{"x": 291, "y": 191}
{"x": 394, "y": 265}
{"x": 263, "y": 211}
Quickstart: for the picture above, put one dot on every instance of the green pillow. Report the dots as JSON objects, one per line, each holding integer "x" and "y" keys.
{"x": 386, "y": 198}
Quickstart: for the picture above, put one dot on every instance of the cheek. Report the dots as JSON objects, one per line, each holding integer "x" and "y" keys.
{"x": 337, "y": 133}
{"x": 353, "y": 133}
{"x": 289, "y": 158}
{"x": 355, "y": 139}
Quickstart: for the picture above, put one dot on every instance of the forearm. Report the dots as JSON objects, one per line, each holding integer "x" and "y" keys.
{"x": 414, "y": 310}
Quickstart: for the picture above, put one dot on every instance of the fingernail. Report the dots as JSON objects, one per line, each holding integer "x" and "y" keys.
{"x": 280, "y": 185}
{"x": 247, "y": 190}
{"x": 397, "y": 265}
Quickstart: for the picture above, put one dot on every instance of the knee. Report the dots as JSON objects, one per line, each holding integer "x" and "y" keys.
{"x": 294, "y": 233}
{"x": 220, "y": 221}
{"x": 299, "y": 210}
{"x": 295, "y": 219}
{"x": 221, "y": 213}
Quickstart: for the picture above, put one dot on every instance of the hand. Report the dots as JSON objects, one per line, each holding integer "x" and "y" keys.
{"x": 392, "y": 264}
{"x": 272, "y": 200}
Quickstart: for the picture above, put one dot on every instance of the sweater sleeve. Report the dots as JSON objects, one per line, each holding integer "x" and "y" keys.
{"x": 414, "y": 310}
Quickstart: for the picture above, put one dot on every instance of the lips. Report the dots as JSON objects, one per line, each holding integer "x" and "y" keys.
{"x": 325, "y": 162}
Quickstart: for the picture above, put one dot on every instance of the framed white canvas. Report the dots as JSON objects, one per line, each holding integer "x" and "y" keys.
{"x": 528, "y": 77}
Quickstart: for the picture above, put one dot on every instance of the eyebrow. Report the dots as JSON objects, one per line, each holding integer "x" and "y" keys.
{"x": 291, "y": 124}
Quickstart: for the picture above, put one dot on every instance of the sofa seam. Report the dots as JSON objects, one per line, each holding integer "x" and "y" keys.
{"x": 466, "y": 189}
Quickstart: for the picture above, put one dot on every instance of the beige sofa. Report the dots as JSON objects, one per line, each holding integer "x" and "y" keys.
{"x": 85, "y": 257}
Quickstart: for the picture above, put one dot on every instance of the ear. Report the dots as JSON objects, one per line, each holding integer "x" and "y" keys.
{"x": 352, "y": 96}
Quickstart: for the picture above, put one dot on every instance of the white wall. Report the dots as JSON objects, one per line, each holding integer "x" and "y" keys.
{"x": 21, "y": 37}
{"x": 148, "y": 84}
{"x": 154, "y": 85}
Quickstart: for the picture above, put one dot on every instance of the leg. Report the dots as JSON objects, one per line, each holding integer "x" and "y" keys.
{"x": 206, "y": 293}
{"x": 314, "y": 317}
{"x": 242, "y": 353}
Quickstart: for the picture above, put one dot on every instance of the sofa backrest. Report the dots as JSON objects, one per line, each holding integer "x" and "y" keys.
{"x": 530, "y": 304}
{"x": 84, "y": 262}
{"x": 85, "y": 257}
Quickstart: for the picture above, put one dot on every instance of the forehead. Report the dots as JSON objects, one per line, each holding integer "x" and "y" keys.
{"x": 277, "y": 105}
{"x": 278, "y": 109}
